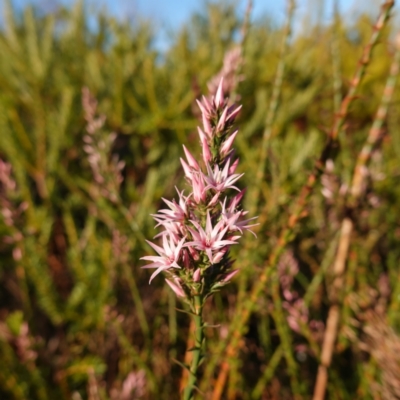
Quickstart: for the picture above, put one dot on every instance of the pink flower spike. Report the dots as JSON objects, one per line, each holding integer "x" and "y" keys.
{"x": 227, "y": 145}
{"x": 191, "y": 160}
{"x": 176, "y": 287}
{"x": 219, "y": 97}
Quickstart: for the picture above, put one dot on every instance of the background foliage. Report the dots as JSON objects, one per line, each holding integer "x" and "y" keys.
{"x": 78, "y": 319}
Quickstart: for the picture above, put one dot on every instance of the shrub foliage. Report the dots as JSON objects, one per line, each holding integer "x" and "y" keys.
{"x": 78, "y": 319}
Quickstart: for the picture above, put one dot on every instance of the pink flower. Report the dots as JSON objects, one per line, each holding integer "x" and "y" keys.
{"x": 168, "y": 257}
{"x": 234, "y": 165}
{"x": 191, "y": 160}
{"x": 227, "y": 277}
{"x": 175, "y": 285}
{"x": 233, "y": 112}
{"x": 219, "y": 96}
{"x": 186, "y": 169}
{"x": 236, "y": 201}
{"x": 207, "y": 156}
{"x": 206, "y": 111}
{"x": 184, "y": 219}
{"x": 220, "y": 180}
{"x": 197, "y": 275}
{"x": 175, "y": 230}
{"x": 227, "y": 146}
{"x": 222, "y": 120}
{"x": 232, "y": 220}
{"x": 209, "y": 240}
{"x": 199, "y": 188}
{"x": 192, "y": 164}
{"x": 177, "y": 212}
{"x": 205, "y": 107}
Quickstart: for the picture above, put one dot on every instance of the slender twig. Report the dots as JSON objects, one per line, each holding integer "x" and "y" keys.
{"x": 141, "y": 314}
{"x": 246, "y": 24}
{"x": 243, "y": 37}
{"x": 356, "y": 191}
{"x": 270, "y": 119}
{"x": 268, "y": 373}
{"x": 362, "y": 64}
{"x": 335, "y": 51}
{"x": 272, "y": 109}
{"x": 134, "y": 354}
{"x": 230, "y": 346}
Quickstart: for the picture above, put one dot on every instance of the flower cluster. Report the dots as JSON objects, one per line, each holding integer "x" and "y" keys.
{"x": 10, "y": 211}
{"x": 232, "y": 63}
{"x": 200, "y": 227}
{"x": 107, "y": 172}
{"x": 298, "y": 317}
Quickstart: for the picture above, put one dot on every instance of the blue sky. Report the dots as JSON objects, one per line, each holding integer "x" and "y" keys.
{"x": 168, "y": 15}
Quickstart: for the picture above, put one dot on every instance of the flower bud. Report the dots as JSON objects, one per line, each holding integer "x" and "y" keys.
{"x": 197, "y": 275}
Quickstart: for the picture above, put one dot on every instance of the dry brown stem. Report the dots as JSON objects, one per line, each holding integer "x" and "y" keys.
{"x": 356, "y": 191}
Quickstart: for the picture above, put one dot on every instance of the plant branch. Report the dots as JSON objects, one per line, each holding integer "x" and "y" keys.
{"x": 272, "y": 109}
{"x": 356, "y": 191}
{"x": 237, "y": 328}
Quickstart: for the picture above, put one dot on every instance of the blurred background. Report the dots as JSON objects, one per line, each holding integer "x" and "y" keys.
{"x": 96, "y": 100}
{"x": 168, "y": 17}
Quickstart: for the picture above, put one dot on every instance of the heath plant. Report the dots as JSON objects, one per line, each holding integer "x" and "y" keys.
{"x": 200, "y": 227}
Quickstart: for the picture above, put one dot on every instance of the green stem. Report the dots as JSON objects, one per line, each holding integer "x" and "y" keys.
{"x": 199, "y": 335}
{"x": 253, "y": 197}
{"x": 335, "y": 54}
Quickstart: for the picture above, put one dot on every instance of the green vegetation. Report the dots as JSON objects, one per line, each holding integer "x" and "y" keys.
{"x": 78, "y": 319}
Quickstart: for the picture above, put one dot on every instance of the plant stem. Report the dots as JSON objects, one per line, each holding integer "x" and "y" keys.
{"x": 198, "y": 342}
{"x": 253, "y": 197}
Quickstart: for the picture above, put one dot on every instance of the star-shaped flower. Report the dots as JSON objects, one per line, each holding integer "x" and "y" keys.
{"x": 232, "y": 219}
{"x": 168, "y": 257}
{"x": 220, "y": 180}
{"x": 178, "y": 212}
{"x": 209, "y": 240}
